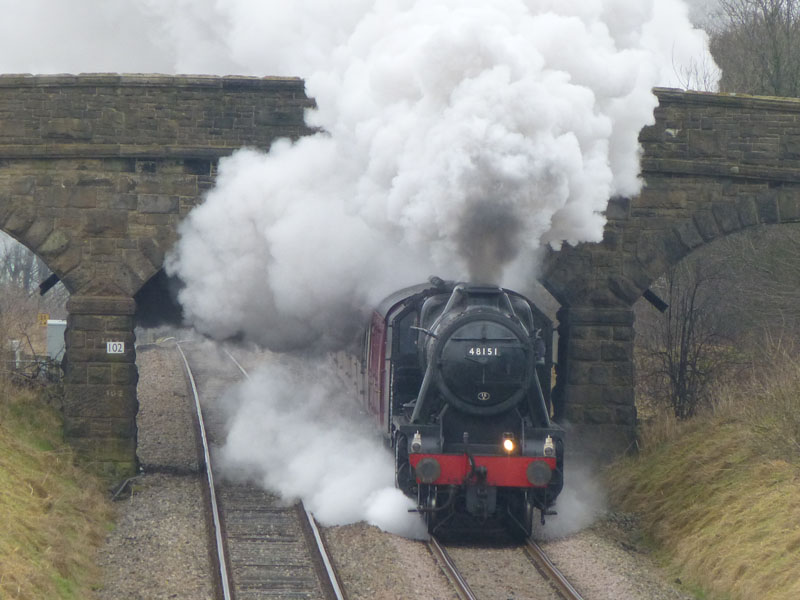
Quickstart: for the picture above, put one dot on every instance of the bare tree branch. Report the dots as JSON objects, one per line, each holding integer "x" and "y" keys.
{"x": 756, "y": 43}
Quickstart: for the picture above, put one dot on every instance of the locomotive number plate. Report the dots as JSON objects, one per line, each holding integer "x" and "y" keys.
{"x": 483, "y": 351}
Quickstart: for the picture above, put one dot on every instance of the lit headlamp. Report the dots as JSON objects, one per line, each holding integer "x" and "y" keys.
{"x": 509, "y": 445}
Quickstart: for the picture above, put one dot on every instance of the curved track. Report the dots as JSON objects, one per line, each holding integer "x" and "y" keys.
{"x": 264, "y": 548}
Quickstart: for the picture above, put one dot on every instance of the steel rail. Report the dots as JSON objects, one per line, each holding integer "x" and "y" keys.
{"x": 450, "y": 570}
{"x": 236, "y": 362}
{"x": 223, "y": 569}
{"x": 330, "y": 570}
{"x": 333, "y": 576}
{"x": 545, "y": 566}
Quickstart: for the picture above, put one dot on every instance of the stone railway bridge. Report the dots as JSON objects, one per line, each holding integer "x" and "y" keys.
{"x": 96, "y": 172}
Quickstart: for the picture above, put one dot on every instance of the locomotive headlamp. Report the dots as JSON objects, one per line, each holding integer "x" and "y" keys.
{"x": 549, "y": 447}
{"x": 428, "y": 470}
{"x": 508, "y": 443}
{"x": 416, "y": 442}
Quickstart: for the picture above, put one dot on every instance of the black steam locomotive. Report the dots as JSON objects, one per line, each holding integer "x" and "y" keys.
{"x": 458, "y": 378}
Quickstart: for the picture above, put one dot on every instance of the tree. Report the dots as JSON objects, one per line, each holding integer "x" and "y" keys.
{"x": 684, "y": 351}
{"x": 21, "y": 305}
{"x": 756, "y": 43}
{"x": 728, "y": 302}
{"x": 22, "y": 271}
{"x": 21, "y": 268}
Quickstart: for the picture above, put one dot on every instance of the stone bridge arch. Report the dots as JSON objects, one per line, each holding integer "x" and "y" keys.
{"x": 96, "y": 172}
{"x": 713, "y": 165}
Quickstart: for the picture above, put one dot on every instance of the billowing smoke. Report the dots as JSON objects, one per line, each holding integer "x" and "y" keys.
{"x": 303, "y": 438}
{"x": 488, "y": 236}
{"x": 460, "y": 137}
{"x": 580, "y": 503}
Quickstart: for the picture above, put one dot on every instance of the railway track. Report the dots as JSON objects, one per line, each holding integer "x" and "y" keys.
{"x": 511, "y": 578}
{"x": 263, "y": 548}
{"x": 545, "y": 566}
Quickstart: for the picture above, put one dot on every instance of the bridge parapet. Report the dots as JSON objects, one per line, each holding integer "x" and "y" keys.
{"x": 724, "y": 135}
{"x": 153, "y": 116}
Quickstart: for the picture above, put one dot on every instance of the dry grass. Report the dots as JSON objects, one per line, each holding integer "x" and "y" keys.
{"x": 720, "y": 495}
{"x": 54, "y": 515}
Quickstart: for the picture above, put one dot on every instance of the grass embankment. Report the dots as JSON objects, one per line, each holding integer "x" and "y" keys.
{"x": 719, "y": 496}
{"x": 52, "y": 515}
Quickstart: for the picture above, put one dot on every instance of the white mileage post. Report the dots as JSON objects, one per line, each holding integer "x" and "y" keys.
{"x": 115, "y": 347}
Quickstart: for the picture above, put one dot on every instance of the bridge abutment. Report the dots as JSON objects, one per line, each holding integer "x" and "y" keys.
{"x": 594, "y": 394}
{"x": 100, "y": 379}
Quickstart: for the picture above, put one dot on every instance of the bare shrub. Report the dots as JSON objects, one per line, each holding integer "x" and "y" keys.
{"x": 683, "y": 353}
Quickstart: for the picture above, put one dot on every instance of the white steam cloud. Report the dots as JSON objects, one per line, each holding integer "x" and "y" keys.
{"x": 304, "y": 439}
{"x": 460, "y": 138}
{"x": 579, "y": 504}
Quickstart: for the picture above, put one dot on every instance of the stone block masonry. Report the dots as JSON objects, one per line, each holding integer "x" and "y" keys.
{"x": 713, "y": 165}
{"x": 97, "y": 171}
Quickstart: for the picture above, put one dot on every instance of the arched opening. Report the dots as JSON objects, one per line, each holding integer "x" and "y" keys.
{"x": 32, "y": 313}
{"x": 157, "y": 302}
{"x": 728, "y": 301}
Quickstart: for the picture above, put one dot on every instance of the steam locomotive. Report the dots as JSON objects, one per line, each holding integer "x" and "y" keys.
{"x": 457, "y": 376}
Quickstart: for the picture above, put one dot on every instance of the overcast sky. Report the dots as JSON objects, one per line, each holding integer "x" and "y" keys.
{"x": 699, "y": 10}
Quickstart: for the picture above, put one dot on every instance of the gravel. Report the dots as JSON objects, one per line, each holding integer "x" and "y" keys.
{"x": 167, "y": 435}
{"x": 608, "y": 561}
{"x": 159, "y": 546}
{"x": 501, "y": 572}
{"x": 374, "y": 564}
